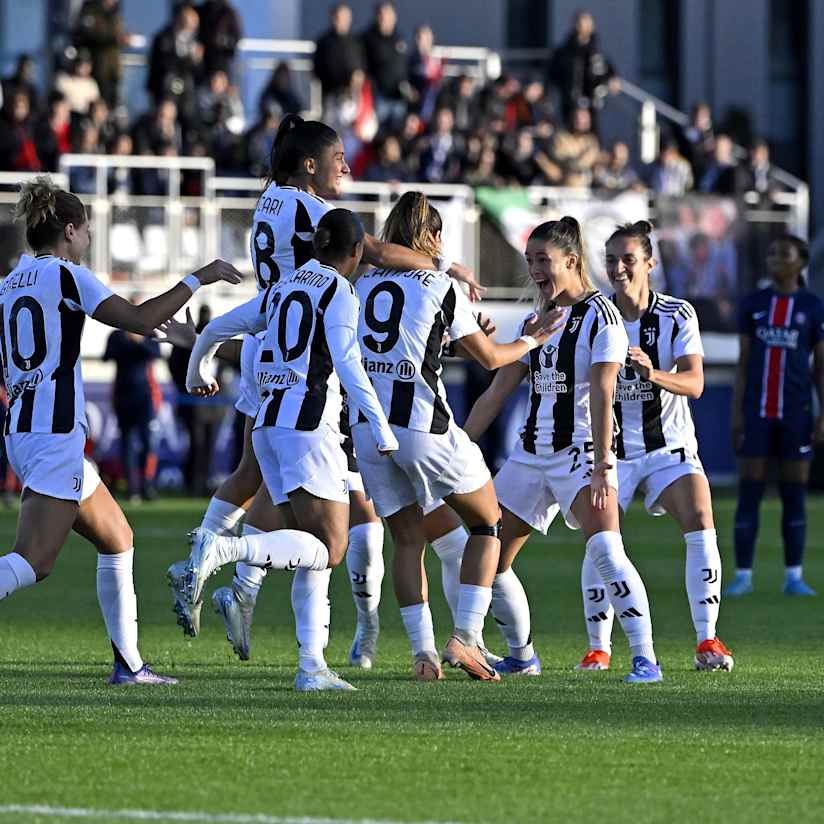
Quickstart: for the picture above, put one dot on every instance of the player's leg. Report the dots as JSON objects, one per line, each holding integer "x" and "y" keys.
{"x": 445, "y": 531}
{"x": 752, "y": 473}
{"x": 482, "y": 516}
{"x": 792, "y": 485}
{"x": 689, "y": 501}
{"x": 625, "y": 589}
{"x": 364, "y": 565}
{"x": 101, "y": 521}
{"x": 412, "y": 590}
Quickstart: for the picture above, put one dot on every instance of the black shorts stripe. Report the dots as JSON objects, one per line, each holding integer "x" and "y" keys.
{"x": 563, "y": 410}
{"x": 618, "y": 417}
{"x": 531, "y": 426}
{"x": 319, "y": 369}
{"x": 651, "y": 410}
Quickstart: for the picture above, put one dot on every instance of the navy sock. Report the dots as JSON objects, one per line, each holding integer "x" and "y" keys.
{"x": 793, "y": 521}
{"x": 746, "y": 521}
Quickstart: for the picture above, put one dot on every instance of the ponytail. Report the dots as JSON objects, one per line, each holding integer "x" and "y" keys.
{"x": 415, "y": 223}
{"x": 565, "y": 234}
{"x": 295, "y": 140}
{"x": 46, "y": 210}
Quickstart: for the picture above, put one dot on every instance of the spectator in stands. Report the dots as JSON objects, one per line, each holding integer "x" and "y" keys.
{"x": 756, "y": 179}
{"x": 220, "y": 105}
{"x": 497, "y": 104}
{"x": 425, "y": 71}
{"x": 580, "y": 71}
{"x": 461, "y": 98}
{"x": 22, "y": 80}
{"x": 352, "y": 115}
{"x": 120, "y": 179}
{"x": 533, "y": 105}
{"x": 52, "y": 132}
{"x": 410, "y": 137}
{"x": 338, "y": 53}
{"x": 219, "y": 32}
{"x": 483, "y": 171}
{"x": 388, "y": 167}
{"x": 85, "y": 140}
{"x": 671, "y": 173}
{"x": 279, "y": 90}
{"x": 720, "y": 176}
{"x": 616, "y": 174}
{"x": 18, "y": 151}
{"x": 441, "y": 150}
{"x": 577, "y": 150}
{"x": 78, "y": 87}
{"x": 385, "y": 52}
{"x": 135, "y": 398}
{"x": 101, "y": 116}
{"x": 517, "y": 162}
{"x": 697, "y": 139}
{"x": 176, "y": 62}
{"x": 256, "y": 145}
{"x": 100, "y": 29}
{"x": 160, "y": 127}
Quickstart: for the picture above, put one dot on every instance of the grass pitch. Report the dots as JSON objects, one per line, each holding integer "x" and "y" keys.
{"x": 234, "y": 740}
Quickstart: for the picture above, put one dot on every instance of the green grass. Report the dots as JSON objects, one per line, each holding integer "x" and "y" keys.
{"x": 235, "y": 738}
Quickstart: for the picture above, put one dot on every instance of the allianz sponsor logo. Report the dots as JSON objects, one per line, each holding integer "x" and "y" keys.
{"x": 404, "y": 370}
{"x": 778, "y": 336}
{"x": 32, "y": 381}
{"x": 277, "y": 379}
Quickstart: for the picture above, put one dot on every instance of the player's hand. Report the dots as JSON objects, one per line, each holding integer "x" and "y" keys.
{"x": 600, "y": 486}
{"x": 206, "y": 391}
{"x": 542, "y": 327}
{"x": 487, "y": 325}
{"x": 818, "y": 431}
{"x": 178, "y": 333}
{"x": 218, "y": 270}
{"x": 640, "y": 362}
{"x": 463, "y": 274}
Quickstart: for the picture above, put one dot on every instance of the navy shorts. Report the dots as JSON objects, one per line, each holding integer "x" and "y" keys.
{"x": 785, "y": 440}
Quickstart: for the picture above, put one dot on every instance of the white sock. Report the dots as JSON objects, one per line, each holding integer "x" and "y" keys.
{"x": 598, "y": 611}
{"x": 118, "y": 603}
{"x": 625, "y": 590}
{"x": 283, "y": 549}
{"x": 222, "y": 517}
{"x": 364, "y": 563}
{"x": 473, "y": 604}
{"x": 510, "y": 609}
{"x": 449, "y": 548}
{"x": 15, "y": 573}
{"x": 310, "y": 603}
{"x": 417, "y": 621}
{"x": 703, "y": 579}
{"x": 792, "y": 573}
{"x": 249, "y": 578}
{"x": 744, "y": 575}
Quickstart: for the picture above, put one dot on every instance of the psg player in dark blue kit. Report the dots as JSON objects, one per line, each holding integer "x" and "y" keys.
{"x": 780, "y": 329}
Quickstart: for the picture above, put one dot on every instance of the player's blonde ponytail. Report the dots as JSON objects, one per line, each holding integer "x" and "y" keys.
{"x": 415, "y": 223}
{"x": 45, "y": 210}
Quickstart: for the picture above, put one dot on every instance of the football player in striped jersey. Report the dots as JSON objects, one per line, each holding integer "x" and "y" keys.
{"x": 403, "y": 317}
{"x": 564, "y": 459}
{"x": 43, "y": 305}
{"x": 655, "y": 443}
{"x": 780, "y": 329}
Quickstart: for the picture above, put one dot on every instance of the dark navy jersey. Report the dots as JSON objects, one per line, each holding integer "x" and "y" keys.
{"x": 783, "y": 331}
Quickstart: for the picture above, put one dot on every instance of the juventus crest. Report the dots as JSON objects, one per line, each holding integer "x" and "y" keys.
{"x": 650, "y": 336}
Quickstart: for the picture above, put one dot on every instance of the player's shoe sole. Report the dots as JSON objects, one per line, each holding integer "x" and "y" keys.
{"x": 469, "y": 659}
{"x": 237, "y": 625}
{"x": 428, "y": 668}
{"x": 188, "y": 615}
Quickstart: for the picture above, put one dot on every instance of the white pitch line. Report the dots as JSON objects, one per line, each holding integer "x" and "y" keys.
{"x": 46, "y": 810}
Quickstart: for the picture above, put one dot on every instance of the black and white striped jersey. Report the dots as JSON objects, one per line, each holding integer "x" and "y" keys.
{"x": 648, "y": 417}
{"x": 43, "y": 306}
{"x": 403, "y": 318}
{"x": 559, "y": 374}
{"x": 282, "y": 229}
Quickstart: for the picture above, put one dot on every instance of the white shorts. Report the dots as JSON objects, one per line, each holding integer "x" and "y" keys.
{"x": 425, "y": 468}
{"x": 52, "y": 464}
{"x": 355, "y": 482}
{"x": 653, "y": 473}
{"x": 248, "y": 400}
{"x": 290, "y": 459}
{"x": 535, "y": 487}
{"x": 436, "y": 504}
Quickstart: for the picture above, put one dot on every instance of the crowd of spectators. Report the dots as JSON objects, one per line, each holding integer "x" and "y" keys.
{"x": 401, "y": 116}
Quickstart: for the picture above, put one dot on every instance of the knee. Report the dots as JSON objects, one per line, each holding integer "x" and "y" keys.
{"x": 337, "y": 551}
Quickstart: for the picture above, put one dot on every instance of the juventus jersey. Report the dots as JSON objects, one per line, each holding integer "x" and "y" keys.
{"x": 558, "y": 413}
{"x": 283, "y": 226}
{"x": 401, "y": 327}
{"x": 648, "y": 417}
{"x": 43, "y": 306}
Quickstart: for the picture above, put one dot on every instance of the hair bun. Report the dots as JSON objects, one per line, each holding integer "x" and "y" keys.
{"x": 570, "y": 221}
{"x": 643, "y": 226}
